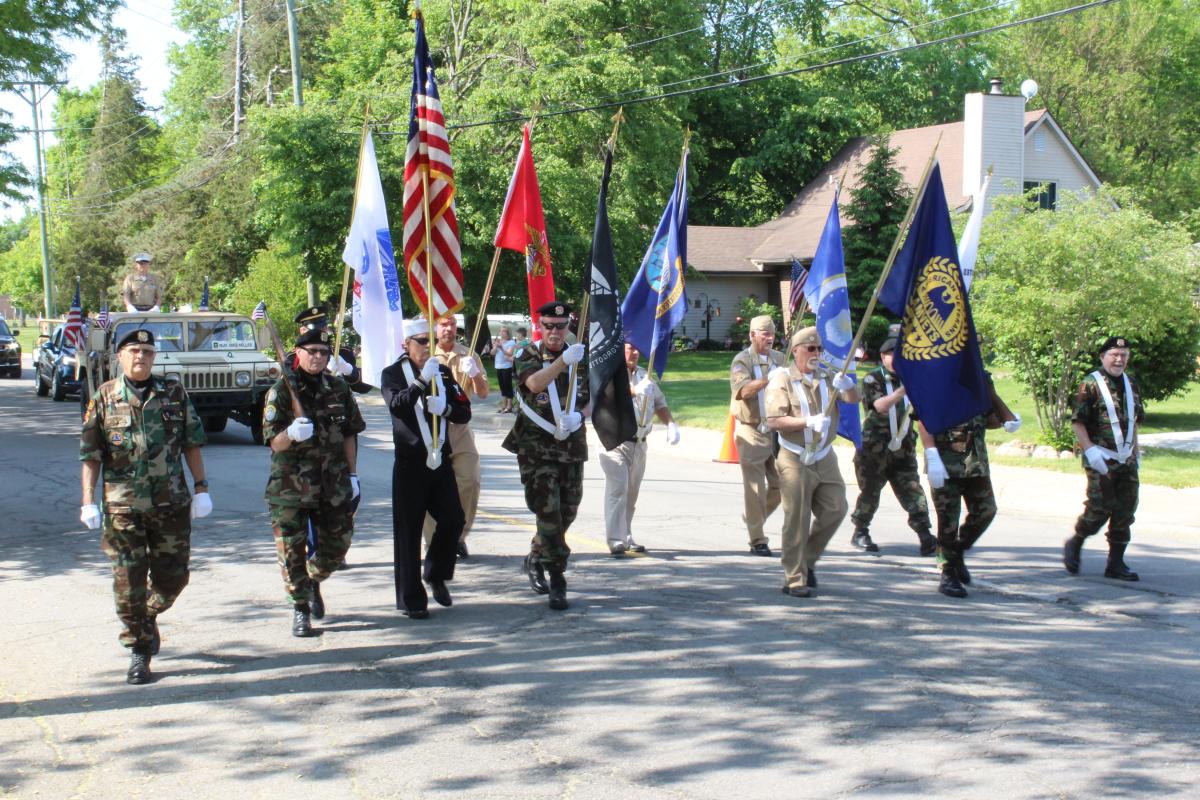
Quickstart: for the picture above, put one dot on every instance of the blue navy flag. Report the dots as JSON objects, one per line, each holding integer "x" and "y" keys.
{"x": 938, "y": 355}
{"x": 827, "y": 295}
{"x": 656, "y": 301}
{"x": 204, "y": 296}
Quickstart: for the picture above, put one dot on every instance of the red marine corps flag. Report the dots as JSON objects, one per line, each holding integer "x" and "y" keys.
{"x": 431, "y": 249}
{"x": 523, "y": 228}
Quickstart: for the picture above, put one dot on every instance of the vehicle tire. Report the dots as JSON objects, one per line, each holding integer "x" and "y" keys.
{"x": 58, "y": 392}
{"x": 256, "y": 425}
{"x": 39, "y": 385}
{"x": 16, "y": 373}
{"x": 215, "y": 424}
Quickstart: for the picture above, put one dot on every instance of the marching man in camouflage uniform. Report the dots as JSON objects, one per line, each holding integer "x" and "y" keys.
{"x": 811, "y": 485}
{"x": 551, "y": 445}
{"x": 888, "y": 455}
{"x": 956, "y": 461}
{"x": 1107, "y": 410}
{"x": 310, "y": 420}
{"x": 136, "y": 429}
{"x": 748, "y": 375}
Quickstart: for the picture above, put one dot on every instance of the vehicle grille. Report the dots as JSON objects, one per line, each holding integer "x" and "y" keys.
{"x": 207, "y": 380}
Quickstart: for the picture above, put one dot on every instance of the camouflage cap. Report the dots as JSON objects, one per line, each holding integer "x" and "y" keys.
{"x": 763, "y": 323}
{"x": 140, "y": 336}
{"x": 1114, "y": 342}
{"x": 803, "y": 336}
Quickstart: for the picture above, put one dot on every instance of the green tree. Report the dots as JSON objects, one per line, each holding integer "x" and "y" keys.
{"x": 1052, "y": 284}
{"x": 876, "y": 206}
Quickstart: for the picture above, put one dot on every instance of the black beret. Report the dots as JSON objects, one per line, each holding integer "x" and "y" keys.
{"x": 555, "y": 308}
{"x": 1113, "y": 342}
{"x": 313, "y": 336}
{"x": 316, "y": 316}
{"x": 889, "y": 344}
{"x": 139, "y": 336}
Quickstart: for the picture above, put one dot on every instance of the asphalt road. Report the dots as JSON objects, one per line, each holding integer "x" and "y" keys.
{"x": 684, "y": 673}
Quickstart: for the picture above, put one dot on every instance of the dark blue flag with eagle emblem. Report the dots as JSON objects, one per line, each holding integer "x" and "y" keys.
{"x": 938, "y": 353}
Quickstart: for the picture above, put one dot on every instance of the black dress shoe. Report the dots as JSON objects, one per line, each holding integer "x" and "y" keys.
{"x": 1120, "y": 572}
{"x": 139, "y": 666}
{"x": 1072, "y": 553}
{"x": 316, "y": 603}
{"x": 862, "y": 540}
{"x": 761, "y": 549}
{"x": 634, "y": 547}
{"x": 301, "y": 623}
{"x": 417, "y": 613}
{"x": 797, "y": 591}
{"x": 536, "y": 575}
{"x": 558, "y": 591}
{"x": 155, "y": 639}
{"x": 950, "y": 585}
{"x": 343, "y": 565}
{"x": 928, "y": 543}
{"x": 617, "y": 549}
{"x": 461, "y": 549}
{"x": 440, "y": 593}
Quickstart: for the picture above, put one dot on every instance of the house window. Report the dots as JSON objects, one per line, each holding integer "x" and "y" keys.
{"x": 1047, "y": 193}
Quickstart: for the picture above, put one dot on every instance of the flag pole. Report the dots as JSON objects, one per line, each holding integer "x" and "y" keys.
{"x": 683, "y": 154}
{"x": 341, "y": 317}
{"x": 483, "y": 304}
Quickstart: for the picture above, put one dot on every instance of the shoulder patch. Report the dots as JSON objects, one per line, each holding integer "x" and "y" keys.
{"x": 869, "y": 379}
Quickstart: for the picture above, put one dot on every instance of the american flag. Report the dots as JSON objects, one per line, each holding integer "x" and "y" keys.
{"x": 102, "y": 317}
{"x": 204, "y": 296}
{"x": 428, "y": 155}
{"x": 73, "y": 330}
{"x": 799, "y": 276}
{"x": 260, "y": 310}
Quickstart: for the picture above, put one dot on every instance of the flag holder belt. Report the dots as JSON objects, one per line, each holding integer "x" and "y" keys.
{"x": 556, "y": 431}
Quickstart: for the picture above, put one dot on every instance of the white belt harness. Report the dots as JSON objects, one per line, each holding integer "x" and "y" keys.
{"x": 807, "y": 454}
{"x": 434, "y": 458}
{"x": 557, "y": 430}
{"x": 762, "y": 401}
{"x": 1124, "y": 441}
{"x": 898, "y": 435}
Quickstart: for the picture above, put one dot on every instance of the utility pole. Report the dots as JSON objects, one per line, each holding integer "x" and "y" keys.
{"x": 298, "y": 98}
{"x": 36, "y": 95}
{"x": 237, "y": 73}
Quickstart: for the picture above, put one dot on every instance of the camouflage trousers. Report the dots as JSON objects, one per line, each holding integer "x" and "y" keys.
{"x": 953, "y": 539}
{"x": 149, "y": 552}
{"x": 335, "y": 525}
{"x": 1111, "y": 498}
{"x": 875, "y": 466}
{"x": 553, "y": 492}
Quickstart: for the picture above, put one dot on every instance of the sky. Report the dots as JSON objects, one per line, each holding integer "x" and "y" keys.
{"x": 151, "y": 32}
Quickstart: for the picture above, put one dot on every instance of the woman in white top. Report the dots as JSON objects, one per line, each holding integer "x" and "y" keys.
{"x": 504, "y": 346}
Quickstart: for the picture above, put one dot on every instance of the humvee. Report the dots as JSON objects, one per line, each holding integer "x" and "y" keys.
{"x": 216, "y": 356}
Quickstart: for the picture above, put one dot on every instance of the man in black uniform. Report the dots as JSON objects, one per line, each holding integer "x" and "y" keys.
{"x": 418, "y": 389}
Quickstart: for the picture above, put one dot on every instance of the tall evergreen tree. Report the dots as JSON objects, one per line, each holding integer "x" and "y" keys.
{"x": 877, "y": 207}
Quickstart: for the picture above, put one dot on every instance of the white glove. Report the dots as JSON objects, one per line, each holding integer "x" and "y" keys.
{"x": 89, "y": 515}
{"x": 340, "y": 366}
{"x": 935, "y": 468}
{"x": 471, "y": 370}
{"x": 572, "y": 421}
{"x": 300, "y": 430}
{"x": 1095, "y": 459}
{"x": 672, "y": 433}
{"x": 436, "y": 404}
{"x": 1013, "y": 425}
{"x": 201, "y": 505}
{"x": 843, "y": 383}
{"x": 573, "y": 354}
{"x": 817, "y": 423}
{"x": 155, "y": 310}
{"x": 355, "y": 488}
{"x": 775, "y": 371}
{"x": 129, "y": 307}
{"x": 644, "y": 386}
{"x": 430, "y": 370}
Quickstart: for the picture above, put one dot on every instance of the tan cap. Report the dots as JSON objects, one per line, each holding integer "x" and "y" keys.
{"x": 763, "y": 323}
{"x": 807, "y": 335}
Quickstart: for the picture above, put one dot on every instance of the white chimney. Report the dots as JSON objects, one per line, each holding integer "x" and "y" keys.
{"x": 994, "y": 137}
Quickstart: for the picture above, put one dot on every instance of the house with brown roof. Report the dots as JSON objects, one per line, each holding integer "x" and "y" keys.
{"x": 1024, "y": 149}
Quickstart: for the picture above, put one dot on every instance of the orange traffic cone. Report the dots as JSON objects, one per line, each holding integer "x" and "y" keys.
{"x": 729, "y": 453}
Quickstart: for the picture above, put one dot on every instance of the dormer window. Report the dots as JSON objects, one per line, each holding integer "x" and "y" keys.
{"x": 1047, "y": 193}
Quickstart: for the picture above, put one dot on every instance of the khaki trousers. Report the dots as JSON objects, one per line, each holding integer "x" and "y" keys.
{"x": 760, "y": 479}
{"x": 814, "y": 505}
{"x": 464, "y": 460}
{"x": 624, "y": 467}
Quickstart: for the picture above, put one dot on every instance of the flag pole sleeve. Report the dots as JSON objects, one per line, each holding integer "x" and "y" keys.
{"x": 487, "y": 293}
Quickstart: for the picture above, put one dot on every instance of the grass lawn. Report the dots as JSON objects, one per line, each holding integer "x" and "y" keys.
{"x": 697, "y": 387}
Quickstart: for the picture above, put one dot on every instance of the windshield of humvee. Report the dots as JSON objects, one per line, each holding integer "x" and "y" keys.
{"x": 168, "y": 336}
{"x": 224, "y": 334}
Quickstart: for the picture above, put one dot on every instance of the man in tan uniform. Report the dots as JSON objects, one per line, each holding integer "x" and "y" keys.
{"x": 755, "y": 442}
{"x": 814, "y": 494}
{"x": 141, "y": 290}
{"x": 468, "y": 372}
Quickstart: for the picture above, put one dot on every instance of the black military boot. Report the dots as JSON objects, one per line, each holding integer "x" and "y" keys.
{"x": 1116, "y": 568}
{"x": 536, "y": 575}
{"x": 558, "y": 590}
{"x": 155, "y": 639}
{"x": 928, "y": 542}
{"x": 316, "y": 603}
{"x": 301, "y": 622}
{"x": 961, "y": 572}
{"x": 139, "y": 666}
{"x": 950, "y": 585}
{"x": 862, "y": 540}
{"x": 1072, "y": 551}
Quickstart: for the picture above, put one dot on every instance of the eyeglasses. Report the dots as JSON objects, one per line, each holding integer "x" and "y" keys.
{"x": 144, "y": 352}
{"x": 421, "y": 340}
{"x": 813, "y": 348}
{"x": 316, "y": 352}
{"x": 554, "y": 326}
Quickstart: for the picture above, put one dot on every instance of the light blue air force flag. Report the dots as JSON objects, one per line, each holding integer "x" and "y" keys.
{"x": 656, "y": 301}
{"x": 378, "y": 315}
{"x": 827, "y": 295}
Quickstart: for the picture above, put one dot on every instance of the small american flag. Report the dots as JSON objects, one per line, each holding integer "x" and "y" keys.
{"x": 427, "y": 161}
{"x": 102, "y": 317}
{"x": 799, "y": 276}
{"x": 204, "y": 296}
{"x": 260, "y": 310}
{"x": 73, "y": 330}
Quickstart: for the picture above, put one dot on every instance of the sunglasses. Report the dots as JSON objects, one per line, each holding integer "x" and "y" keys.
{"x": 421, "y": 340}
{"x": 813, "y": 348}
{"x": 316, "y": 352}
{"x": 554, "y": 326}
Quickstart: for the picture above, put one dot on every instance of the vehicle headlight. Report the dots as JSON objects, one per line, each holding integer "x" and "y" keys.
{"x": 68, "y": 361}
{"x": 242, "y": 379}
{"x": 174, "y": 376}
